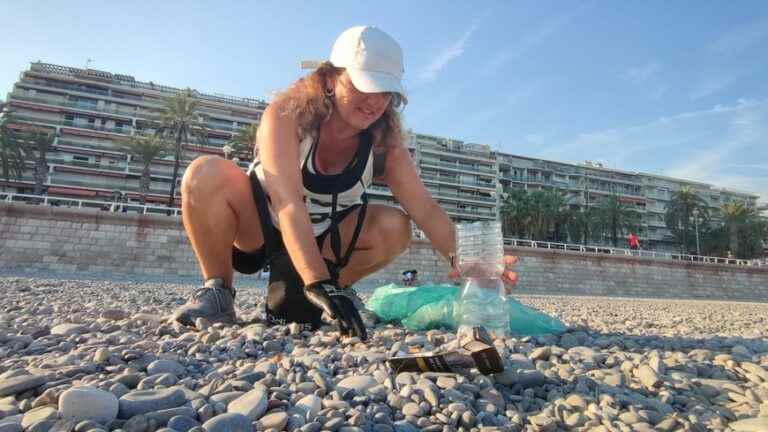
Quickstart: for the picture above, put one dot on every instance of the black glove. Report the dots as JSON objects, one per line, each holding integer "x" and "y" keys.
{"x": 327, "y": 295}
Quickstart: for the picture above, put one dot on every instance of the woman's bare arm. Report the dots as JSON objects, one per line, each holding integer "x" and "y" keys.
{"x": 279, "y": 154}
{"x": 403, "y": 179}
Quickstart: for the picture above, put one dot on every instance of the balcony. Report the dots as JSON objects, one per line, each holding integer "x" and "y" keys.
{"x": 462, "y": 197}
{"x": 459, "y": 167}
{"x": 539, "y": 180}
{"x": 613, "y": 190}
{"x": 461, "y": 152}
{"x": 75, "y": 105}
{"x": 83, "y": 164}
{"x": 456, "y": 181}
{"x": 70, "y": 123}
{"x": 471, "y": 212}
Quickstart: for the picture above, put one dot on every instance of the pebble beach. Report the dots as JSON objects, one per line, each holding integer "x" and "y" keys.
{"x": 101, "y": 355}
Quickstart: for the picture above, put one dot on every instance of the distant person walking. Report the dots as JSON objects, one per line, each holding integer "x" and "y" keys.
{"x": 634, "y": 241}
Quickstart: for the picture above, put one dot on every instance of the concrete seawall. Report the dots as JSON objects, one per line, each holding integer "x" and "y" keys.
{"x": 69, "y": 240}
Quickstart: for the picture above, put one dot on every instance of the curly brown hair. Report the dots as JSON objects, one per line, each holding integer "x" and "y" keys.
{"x": 305, "y": 100}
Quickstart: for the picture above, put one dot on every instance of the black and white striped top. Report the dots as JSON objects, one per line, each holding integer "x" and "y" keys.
{"x": 319, "y": 189}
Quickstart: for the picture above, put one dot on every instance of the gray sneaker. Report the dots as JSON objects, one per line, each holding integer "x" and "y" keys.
{"x": 214, "y": 302}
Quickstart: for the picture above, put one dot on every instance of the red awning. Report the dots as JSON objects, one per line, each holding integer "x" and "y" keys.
{"x": 72, "y": 192}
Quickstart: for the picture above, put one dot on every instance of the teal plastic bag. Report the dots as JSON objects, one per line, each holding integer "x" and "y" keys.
{"x": 437, "y": 306}
{"x": 395, "y": 303}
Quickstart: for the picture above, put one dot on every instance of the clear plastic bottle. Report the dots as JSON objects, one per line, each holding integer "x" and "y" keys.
{"x": 480, "y": 252}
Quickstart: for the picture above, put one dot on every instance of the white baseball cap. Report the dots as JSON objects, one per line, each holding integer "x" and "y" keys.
{"x": 372, "y": 58}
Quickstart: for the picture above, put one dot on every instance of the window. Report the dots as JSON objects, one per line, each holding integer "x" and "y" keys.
{"x": 81, "y": 158}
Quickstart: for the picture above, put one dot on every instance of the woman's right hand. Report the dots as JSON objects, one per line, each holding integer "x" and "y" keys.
{"x": 337, "y": 305}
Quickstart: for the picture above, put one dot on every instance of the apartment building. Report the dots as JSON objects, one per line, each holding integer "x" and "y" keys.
{"x": 91, "y": 110}
{"x": 586, "y": 184}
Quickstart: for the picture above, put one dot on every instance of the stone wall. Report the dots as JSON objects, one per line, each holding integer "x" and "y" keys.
{"x": 56, "y": 239}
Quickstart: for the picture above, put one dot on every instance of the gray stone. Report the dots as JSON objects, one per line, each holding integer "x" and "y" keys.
{"x": 252, "y": 405}
{"x": 166, "y": 366}
{"x": 648, "y": 376}
{"x": 310, "y": 405}
{"x": 182, "y": 423}
{"x": 358, "y": 383}
{"x": 69, "y": 329}
{"x": 37, "y": 415}
{"x": 88, "y": 403}
{"x": 228, "y": 422}
{"x": 144, "y": 401}
{"x": 276, "y": 420}
{"x": 20, "y": 384}
{"x": 225, "y": 397}
{"x": 162, "y": 417}
{"x": 756, "y": 424}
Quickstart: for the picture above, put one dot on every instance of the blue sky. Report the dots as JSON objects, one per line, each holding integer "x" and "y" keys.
{"x": 672, "y": 88}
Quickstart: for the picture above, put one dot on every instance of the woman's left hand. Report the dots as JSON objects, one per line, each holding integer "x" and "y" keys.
{"x": 509, "y": 276}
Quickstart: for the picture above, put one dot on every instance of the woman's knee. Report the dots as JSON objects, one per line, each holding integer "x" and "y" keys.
{"x": 212, "y": 176}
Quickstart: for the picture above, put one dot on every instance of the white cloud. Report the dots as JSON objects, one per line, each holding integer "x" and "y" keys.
{"x": 641, "y": 73}
{"x": 740, "y": 39}
{"x": 712, "y": 84}
{"x": 712, "y": 146}
{"x": 449, "y": 54}
{"x": 526, "y": 43}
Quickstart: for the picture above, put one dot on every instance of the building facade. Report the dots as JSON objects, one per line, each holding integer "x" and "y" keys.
{"x": 90, "y": 111}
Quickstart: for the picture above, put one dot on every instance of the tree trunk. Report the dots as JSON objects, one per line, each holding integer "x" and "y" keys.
{"x": 176, "y": 164}
{"x": 144, "y": 186}
{"x": 733, "y": 238}
{"x": 41, "y": 174}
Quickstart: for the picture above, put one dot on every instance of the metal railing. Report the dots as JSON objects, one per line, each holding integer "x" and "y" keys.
{"x": 91, "y": 204}
{"x": 567, "y": 247}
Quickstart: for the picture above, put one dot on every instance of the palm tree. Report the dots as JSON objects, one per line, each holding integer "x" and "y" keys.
{"x": 242, "y": 145}
{"x": 146, "y": 148}
{"x": 560, "y": 214}
{"x": 545, "y": 210}
{"x": 737, "y": 217}
{"x": 11, "y": 148}
{"x": 682, "y": 206}
{"x": 616, "y": 218}
{"x": 515, "y": 212}
{"x": 181, "y": 121}
{"x": 580, "y": 225}
{"x": 39, "y": 143}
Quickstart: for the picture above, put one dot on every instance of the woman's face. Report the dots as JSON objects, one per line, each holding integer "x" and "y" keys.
{"x": 356, "y": 108}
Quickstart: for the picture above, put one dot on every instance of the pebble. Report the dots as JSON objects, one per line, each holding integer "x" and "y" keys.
{"x": 165, "y": 366}
{"x": 69, "y": 329}
{"x": 623, "y": 365}
{"x": 359, "y": 384}
{"x": 228, "y": 422}
{"x": 38, "y": 415}
{"x": 144, "y": 401}
{"x": 252, "y": 405}
{"x": 88, "y": 403}
{"x": 20, "y": 384}
{"x": 276, "y": 420}
{"x": 181, "y": 423}
{"x": 757, "y": 424}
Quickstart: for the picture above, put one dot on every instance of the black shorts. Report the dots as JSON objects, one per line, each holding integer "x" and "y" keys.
{"x": 251, "y": 262}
